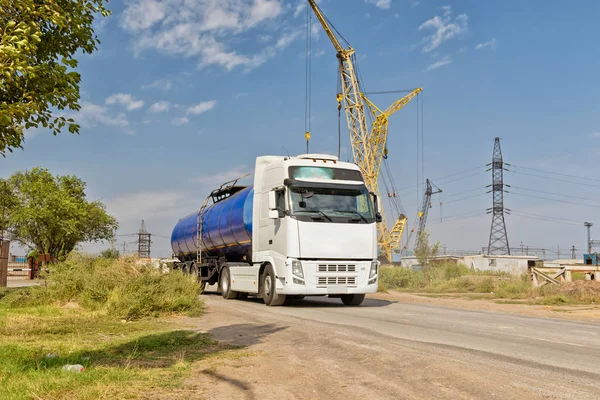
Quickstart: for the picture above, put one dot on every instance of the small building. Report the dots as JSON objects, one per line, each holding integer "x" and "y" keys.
{"x": 515, "y": 265}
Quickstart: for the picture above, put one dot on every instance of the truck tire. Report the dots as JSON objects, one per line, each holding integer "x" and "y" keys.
{"x": 225, "y": 285}
{"x": 270, "y": 295}
{"x": 352, "y": 299}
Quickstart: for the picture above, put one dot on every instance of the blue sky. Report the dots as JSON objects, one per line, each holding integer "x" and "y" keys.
{"x": 185, "y": 94}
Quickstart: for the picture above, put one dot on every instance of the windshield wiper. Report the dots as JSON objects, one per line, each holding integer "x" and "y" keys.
{"x": 315, "y": 211}
{"x": 352, "y": 212}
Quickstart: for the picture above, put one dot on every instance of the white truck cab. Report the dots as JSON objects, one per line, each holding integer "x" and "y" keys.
{"x": 313, "y": 233}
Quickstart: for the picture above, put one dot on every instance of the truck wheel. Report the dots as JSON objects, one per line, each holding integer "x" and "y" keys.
{"x": 225, "y": 284}
{"x": 193, "y": 270}
{"x": 270, "y": 295}
{"x": 352, "y": 299}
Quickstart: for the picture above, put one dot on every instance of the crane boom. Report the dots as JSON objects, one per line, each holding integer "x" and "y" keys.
{"x": 368, "y": 147}
{"x": 425, "y": 210}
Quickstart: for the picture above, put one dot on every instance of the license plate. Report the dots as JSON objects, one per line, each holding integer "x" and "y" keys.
{"x": 337, "y": 289}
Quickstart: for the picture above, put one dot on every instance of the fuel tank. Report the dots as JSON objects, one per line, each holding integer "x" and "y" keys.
{"x": 226, "y": 229}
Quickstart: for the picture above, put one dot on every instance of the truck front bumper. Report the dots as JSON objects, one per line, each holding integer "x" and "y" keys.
{"x": 331, "y": 278}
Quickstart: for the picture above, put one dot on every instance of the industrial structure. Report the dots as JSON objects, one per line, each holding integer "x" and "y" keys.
{"x": 369, "y": 148}
{"x": 498, "y": 244}
{"x": 429, "y": 191}
{"x": 144, "y": 241}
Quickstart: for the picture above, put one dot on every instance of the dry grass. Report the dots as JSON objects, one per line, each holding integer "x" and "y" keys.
{"x": 99, "y": 313}
{"x": 457, "y": 278}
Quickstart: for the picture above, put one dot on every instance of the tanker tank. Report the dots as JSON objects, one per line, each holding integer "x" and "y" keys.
{"x": 226, "y": 229}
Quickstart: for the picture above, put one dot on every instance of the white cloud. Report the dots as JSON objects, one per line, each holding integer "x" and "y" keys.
{"x": 445, "y": 29}
{"x": 319, "y": 53}
{"x": 490, "y": 43}
{"x": 125, "y": 99}
{"x": 286, "y": 39}
{"x": 263, "y": 38}
{"x": 202, "y": 107}
{"x": 218, "y": 178}
{"x": 439, "y": 64}
{"x": 180, "y": 121}
{"x": 91, "y": 115}
{"x": 161, "y": 84}
{"x": 142, "y": 14}
{"x": 145, "y": 205}
{"x": 299, "y": 8}
{"x": 595, "y": 134}
{"x": 160, "y": 106}
{"x": 383, "y": 4}
{"x": 200, "y": 28}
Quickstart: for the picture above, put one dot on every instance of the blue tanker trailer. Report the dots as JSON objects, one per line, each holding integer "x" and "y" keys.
{"x": 305, "y": 227}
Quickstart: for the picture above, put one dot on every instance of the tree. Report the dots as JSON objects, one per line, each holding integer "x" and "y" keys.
{"x": 52, "y": 215}
{"x": 38, "y": 42}
{"x": 425, "y": 252}
{"x": 110, "y": 253}
{"x": 7, "y": 205}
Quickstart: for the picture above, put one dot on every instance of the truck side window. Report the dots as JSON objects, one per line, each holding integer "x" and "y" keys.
{"x": 281, "y": 203}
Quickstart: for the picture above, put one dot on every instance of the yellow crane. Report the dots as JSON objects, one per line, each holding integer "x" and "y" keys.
{"x": 368, "y": 146}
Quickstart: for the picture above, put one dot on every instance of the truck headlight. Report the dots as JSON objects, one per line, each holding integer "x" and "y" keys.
{"x": 297, "y": 269}
{"x": 373, "y": 270}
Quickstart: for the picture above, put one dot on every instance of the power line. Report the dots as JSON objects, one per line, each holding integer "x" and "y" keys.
{"x": 556, "y": 200}
{"x": 541, "y": 218}
{"x": 550, "y": 217}
{"x": 441, "y": 178}
{"x": 465, "y": 198}
{"x": 553, "y": 179}
{"x": 463, "y": 192}
{"x": 556, "y": 173}
{"x": 555, "y": 194}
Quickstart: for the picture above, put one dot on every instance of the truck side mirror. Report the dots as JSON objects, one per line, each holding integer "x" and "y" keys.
{"x": 272, "y": 200}
{"x": 273, "y": 211}
{"x": 378, "y": 217}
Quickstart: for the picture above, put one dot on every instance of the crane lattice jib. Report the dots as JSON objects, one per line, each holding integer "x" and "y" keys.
{"x": 367, "y": 147}
{"x": 425, "y": 210}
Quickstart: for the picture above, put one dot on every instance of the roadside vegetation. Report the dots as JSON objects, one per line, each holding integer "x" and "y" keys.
{"x": 107, "y": 315}
{"x": 450, "y": 277}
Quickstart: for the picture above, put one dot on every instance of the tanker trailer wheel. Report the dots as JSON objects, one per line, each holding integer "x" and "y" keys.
{"x": 225, "y": 285}
{"x": 194, "y": 270}
{"x": 270, "y": 295}
{"x": 352, "y": 299}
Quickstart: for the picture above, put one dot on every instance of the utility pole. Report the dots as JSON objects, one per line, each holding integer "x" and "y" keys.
{"x": 589, "y": 225}
{"x": 144, "y": 241}
{"x": 558, "y": 252}
{"x": 124, "y": 247}
{"x": 498, "y": 237}
{"x": 573, "y": 256}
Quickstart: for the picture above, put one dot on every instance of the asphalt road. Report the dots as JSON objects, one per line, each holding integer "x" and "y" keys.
{"x": 386, "y": 349}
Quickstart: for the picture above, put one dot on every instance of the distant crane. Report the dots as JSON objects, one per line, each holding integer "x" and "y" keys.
{"x": 426, "y": 205}
{"x": 368, "y": 146}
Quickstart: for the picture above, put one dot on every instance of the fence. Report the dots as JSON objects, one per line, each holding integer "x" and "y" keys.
{"x": 19, "y": 269}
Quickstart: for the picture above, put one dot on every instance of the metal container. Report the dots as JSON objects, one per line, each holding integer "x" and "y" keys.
{"x": 226, "y": 229}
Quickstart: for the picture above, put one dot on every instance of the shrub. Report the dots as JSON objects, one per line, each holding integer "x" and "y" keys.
{"x": 121, "y": 288}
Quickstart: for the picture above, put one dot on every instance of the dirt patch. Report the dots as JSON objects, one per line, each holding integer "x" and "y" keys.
{"x": 590, "y": 313}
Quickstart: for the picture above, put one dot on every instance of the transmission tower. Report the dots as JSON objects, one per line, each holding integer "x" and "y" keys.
{"x": 498, "y": 238}
{"x": 144, "y": 241}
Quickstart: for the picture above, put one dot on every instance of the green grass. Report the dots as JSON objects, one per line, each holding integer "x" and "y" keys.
{"x": 102, "y": 314}
{"x": 122, "y": 359}
{"x": 118, "y": 287}
{"x": 457, "y": 278}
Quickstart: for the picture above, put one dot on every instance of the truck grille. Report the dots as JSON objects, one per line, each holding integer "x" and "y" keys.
{"x": 337, "y": 268}
{"x": 337, "y": 280}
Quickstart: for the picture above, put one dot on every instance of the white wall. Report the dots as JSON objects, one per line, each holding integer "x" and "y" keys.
{"x": 515, "y": 265}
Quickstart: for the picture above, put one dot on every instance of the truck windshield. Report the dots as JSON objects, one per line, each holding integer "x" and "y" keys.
{"x": 333, "y": 205}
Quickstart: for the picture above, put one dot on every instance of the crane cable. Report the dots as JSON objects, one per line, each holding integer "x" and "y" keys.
{"x": 308, "y": 87}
